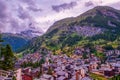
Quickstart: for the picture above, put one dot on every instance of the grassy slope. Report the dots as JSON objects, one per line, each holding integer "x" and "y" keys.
{"x": 97, "y": 77}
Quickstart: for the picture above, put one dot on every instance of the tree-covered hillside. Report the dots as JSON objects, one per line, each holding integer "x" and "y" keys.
{"x": 16, "y": 41}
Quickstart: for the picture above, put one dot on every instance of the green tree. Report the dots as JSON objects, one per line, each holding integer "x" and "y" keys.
{"x": 0, "y": 45}
{"x": 7, "y": 57}
{"x": 108, "y": 47}
{"x": 115, "y": 78}
{"x": 1, "y": 52}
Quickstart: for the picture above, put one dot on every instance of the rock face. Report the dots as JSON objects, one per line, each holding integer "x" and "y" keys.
{"x": 98, "y": 23}
{"x": 88, "y": 31}
{"x": 102, "y": 17}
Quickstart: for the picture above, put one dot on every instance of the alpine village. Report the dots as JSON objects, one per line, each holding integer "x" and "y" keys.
{"x": 86, "y": 47}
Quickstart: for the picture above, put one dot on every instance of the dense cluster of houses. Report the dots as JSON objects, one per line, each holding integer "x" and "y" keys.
{"x": 6, "y": 75}
{"x": 75, "y": 67}
{"x": 62, "y": 67}
{"x": 59, "y": 67}
{"x": 28, "y": 58}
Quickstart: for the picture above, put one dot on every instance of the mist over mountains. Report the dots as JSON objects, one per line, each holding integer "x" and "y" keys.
{"x": 17, "y": 15}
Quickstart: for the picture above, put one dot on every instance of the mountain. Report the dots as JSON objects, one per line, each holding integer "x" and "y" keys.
{"x": 18, "y": 41}
{"x": 31, "y": 33}
{"x": 14, "y": 40}
{"x": 98, "y": 26}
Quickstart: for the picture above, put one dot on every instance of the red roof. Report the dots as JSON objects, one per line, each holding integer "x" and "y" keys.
{"x": 26, "y": 77}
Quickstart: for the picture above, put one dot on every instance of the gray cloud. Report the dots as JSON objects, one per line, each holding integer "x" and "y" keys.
{"x": 22, "y": 14}
{"x": 3, "y": 10}
{"x": 89, "y": 3}
{"x": 64, "y": 6}
{"x": 29, "y": 2}
{"x": 32, "y": 5}
{"x": 4, "y": 15}
{"x": 34, "y": 9}
{"x": 2, "y": 26}
{"x": 13, "y": 19}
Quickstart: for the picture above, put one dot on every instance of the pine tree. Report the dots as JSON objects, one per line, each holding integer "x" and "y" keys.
{"x": 1, "y": 52}
{"x": 6, "y": 56}
{"x": 9, "y": 57}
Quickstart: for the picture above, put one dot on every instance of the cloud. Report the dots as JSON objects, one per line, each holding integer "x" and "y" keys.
{"x": 115, "y": 5}
{"x": 3, "y": 12}
{"x": 2, "y": 26}
{"x": 17, "y": 15}
{"x": 34, "y": 9}
{"x": 23, "y": 14}
{"x": 90, "y": 3}
{"x": 5, "y": 16}
{"x": 64, "y": 6}
{"x": 29, "y": 2}
{"x": 32, "y": 5}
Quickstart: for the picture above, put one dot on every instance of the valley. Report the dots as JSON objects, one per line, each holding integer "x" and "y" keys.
{"x": 86, "y": 47}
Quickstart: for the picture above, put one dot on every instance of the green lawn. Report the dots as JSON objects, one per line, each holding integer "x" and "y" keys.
{"x": 97, "y": 77}
{"x": 19, "y": 55}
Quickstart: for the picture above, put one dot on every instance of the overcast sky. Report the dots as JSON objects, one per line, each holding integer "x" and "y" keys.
{"x": 20, "y": 15}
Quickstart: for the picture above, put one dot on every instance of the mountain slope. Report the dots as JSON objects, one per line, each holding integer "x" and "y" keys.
{"x": 98, "y": 26}
{"x": 16, "y": 41}
{"x": 99, "y": 16}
